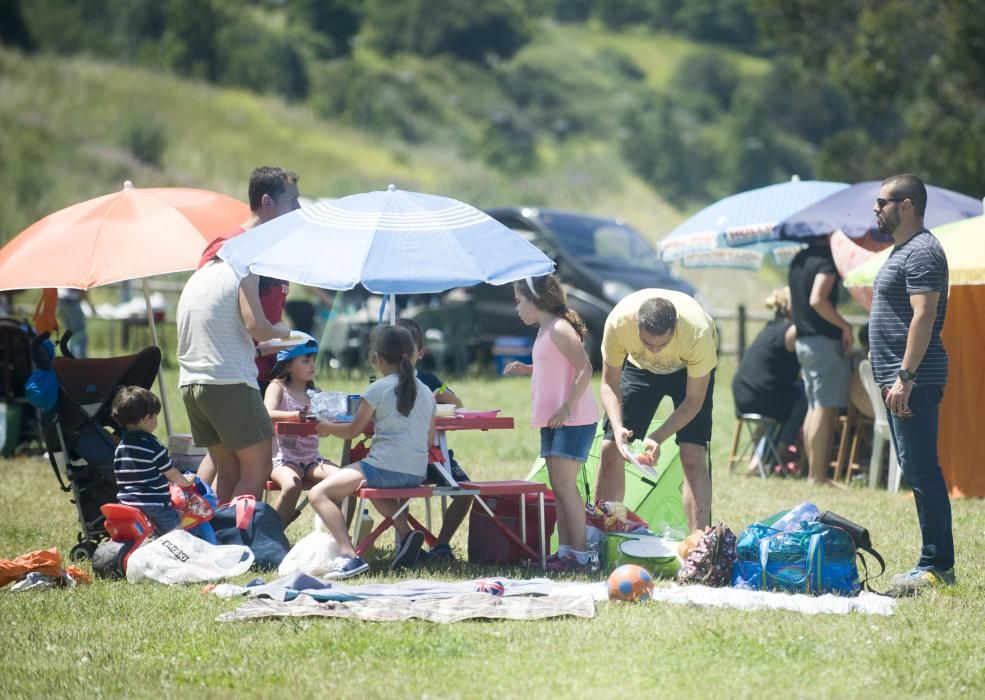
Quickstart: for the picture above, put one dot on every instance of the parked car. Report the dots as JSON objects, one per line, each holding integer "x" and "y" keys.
{"x": 599, "y": 261}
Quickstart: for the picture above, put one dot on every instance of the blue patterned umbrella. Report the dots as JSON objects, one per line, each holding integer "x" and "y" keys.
{"x": 738, "y": 231}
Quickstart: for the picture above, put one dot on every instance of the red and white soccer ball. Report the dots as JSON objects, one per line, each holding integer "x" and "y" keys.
{"x": 492, "y": 586}
{"x": 630, "y": 583}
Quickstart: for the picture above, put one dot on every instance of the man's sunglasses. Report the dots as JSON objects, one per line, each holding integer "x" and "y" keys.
{"x": 881, "y": 202}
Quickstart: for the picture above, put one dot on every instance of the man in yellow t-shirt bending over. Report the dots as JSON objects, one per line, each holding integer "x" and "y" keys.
{"x": 659, "y": 343}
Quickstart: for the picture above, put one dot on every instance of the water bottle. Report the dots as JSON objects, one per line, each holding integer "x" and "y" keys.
{"x": 365, "y": 526}
{"x": 806, "y": 511}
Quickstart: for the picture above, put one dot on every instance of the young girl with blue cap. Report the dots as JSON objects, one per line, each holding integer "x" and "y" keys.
{"x": 295, "y": 457}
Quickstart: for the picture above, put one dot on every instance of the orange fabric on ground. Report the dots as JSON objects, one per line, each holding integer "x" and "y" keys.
{"x": 961, "y": 442}
{"x": 45, "y": 561}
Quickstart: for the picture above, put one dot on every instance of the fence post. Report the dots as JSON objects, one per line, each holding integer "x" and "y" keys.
{"x": 742, "y": 330}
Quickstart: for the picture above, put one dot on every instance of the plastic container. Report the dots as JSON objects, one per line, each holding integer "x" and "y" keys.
{"x": 655, "y": 554}
{"x": 365, "y": 526}
{"x": 804, "y": 512}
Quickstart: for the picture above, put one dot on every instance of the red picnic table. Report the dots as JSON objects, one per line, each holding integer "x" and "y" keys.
{"x": 477, "y": 490}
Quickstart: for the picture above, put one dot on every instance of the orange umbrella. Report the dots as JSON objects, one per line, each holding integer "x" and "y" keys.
{"x": 127, "y": 235}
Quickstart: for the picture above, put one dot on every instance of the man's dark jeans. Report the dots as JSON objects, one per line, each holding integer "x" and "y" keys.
{"x": 916, "y": 445}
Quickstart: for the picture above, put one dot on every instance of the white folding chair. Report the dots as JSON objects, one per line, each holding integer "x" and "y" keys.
{"x": 880, "y": 432}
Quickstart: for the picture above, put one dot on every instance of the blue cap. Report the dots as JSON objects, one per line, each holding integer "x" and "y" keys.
{"x": 308, "y": 347}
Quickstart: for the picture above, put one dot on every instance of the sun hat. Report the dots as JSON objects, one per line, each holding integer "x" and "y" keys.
{"x": 307, "y": 346}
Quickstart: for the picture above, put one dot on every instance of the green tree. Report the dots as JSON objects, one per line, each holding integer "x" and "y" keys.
{"x": 912, "y": 74}
{"x": 333, "y": 22}
{"x": 470, "y": 31}
{"x": 13, "y": 28}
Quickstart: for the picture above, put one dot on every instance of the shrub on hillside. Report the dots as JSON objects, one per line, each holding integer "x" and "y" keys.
{"x": 259, "y": 58}
{"x": 565, "y": 92}
{"x": 439, "y": 100}
{"x": 509, "y": 144}
{"x": 708, "y": 73}
{"x": 144, "y": 136}
{"x": 468, "y": 30}
{"x": 332, "y": 24}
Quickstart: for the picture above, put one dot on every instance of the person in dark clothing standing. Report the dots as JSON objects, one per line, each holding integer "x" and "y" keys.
{"x": 909, "y": 303}
{"x": 768, "y": 379}
{"x": 824, "y": 340}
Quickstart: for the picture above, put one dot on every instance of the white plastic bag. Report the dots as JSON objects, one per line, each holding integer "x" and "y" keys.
{"x": 312, "y": 554}
{"x": 179, "y": 557}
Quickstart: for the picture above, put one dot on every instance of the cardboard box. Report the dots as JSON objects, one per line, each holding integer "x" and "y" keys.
{"x": 182, "y": 444}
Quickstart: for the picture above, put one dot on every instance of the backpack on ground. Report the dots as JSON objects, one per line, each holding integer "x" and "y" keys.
{"x": 244, "y": 521}
{"x": 710, "y": 562}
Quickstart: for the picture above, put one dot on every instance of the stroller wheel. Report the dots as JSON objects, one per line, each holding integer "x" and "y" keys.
{"x": 82, "y": 551}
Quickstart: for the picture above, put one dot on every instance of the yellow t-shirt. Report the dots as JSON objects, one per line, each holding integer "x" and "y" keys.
{"x": 694, "y": 345}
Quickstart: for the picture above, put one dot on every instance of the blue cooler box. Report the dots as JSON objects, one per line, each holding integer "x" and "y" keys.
{"x": 511, "y": 348}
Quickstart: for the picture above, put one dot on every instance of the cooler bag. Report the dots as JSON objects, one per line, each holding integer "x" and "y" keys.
{"x": 244, "y": 521}
{"x": 655, "y": 554}
{"x": 488, "y": 544}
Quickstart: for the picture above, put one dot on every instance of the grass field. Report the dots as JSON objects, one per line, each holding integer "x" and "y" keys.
{"x": 112, "y": 639}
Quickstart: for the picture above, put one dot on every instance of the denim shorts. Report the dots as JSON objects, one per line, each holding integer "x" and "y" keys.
{"x": 377, "y": 478}
{"x": 164, "y": 518}
{"x": 568, "y": 441}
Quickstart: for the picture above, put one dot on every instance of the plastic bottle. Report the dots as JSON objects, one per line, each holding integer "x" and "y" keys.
{"x": 806, "y": 511}
{"x": 365, "y": 526}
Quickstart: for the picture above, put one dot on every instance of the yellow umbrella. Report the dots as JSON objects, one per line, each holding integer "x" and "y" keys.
{"x": 964, "y": 245}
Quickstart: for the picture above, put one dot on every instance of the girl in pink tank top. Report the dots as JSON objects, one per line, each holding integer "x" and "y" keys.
{"x": 563, "y": 406}
{"x": 295, "y": 457}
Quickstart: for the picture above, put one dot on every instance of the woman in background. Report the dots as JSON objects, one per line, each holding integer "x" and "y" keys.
{"x": 768, "y": 379}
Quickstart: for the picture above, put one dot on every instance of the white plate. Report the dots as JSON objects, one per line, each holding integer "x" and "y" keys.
{"x": 473, "y": 413}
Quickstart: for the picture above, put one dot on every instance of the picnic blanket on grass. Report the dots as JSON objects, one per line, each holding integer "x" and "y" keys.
{"x": 466, "y": 606}
{"x": 289, "y": 587}
{"x": 706, "y": 596}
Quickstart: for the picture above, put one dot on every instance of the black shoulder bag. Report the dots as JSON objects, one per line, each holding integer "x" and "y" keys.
{"x": 863, "y": 543}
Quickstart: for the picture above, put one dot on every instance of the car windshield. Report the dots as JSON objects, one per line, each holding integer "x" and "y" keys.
{"x": 602, "y": 241}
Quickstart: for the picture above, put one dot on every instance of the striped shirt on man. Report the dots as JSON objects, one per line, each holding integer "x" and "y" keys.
{"x": 918, "y": 266}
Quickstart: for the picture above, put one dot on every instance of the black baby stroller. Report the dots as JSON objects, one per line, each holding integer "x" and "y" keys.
{"x": 78, "y": 433}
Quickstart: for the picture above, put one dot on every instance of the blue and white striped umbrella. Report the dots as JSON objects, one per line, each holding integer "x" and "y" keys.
{"x": 392, "y": 242}
{"x": 738, "y": 231}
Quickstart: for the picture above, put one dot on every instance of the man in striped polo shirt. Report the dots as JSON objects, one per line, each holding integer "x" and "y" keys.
{"x": 909, "y": 363}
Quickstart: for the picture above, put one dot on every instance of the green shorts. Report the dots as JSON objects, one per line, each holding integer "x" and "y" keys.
{"x": 230, "y": 414}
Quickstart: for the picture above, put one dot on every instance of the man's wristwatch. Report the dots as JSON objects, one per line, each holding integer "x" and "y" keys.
{"x": 906, "y": 375}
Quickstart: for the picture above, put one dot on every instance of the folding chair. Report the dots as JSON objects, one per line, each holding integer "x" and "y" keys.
{"x": 760, "y": 430}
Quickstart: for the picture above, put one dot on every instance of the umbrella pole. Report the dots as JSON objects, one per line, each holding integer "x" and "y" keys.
{"x": 160, "y": 370}
{"x": 393, "y": 309}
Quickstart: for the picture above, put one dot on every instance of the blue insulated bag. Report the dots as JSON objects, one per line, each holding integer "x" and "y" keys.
{"x": 243, "y": 521}
{"x": 814, "y": 559}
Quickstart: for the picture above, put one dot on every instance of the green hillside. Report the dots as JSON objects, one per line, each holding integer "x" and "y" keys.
{"x": 68, "y": 128}
{"x": 546, "y": 126}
